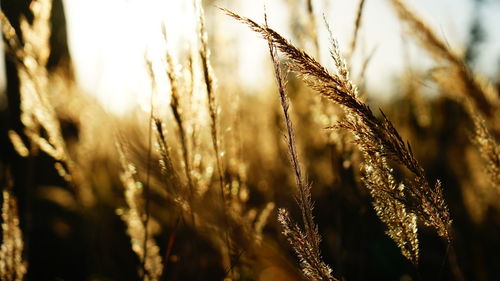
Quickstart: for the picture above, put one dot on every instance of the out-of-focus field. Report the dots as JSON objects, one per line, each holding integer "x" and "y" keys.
{"x": 306, "y": 174}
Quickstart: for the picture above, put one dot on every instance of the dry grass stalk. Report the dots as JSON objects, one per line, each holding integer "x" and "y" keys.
{"x": 401, "y": 223}
{"x": 146, "y": 192}
{"x": 312, "y": 265}
{"x": 209, "y": 80}
{"x": 178, "y": 191}
{"x": 134, "y": 217}
{"x": 213, "y": 110}
{"x": 173, "y": 182}
{"x": 312, "y": 27}
{"x": 364, "y": 66}
{"x": 225, "y": 224}
{"x": 480, "y": 98}
{"x": 374, "y": 137}
{"x": 261, "y": 221}
{"x": 489, "y": 151}
{"x": 14, "y": 45}
{"x": 305, "y": 241}
{"x": 12, "y": 265}
{"x": 483, "y": 101}
{"x": 428, "y": 39}
{"x": 357, "y": 25}
{"x": 242, "y": 226}
{"x": 31, "y": 56}
{"x": 18, "y": 144}
{"x": 177, "y": 112}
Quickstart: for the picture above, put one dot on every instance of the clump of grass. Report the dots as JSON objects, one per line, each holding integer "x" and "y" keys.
{"x": 234, "y": 228}
{"x": 200, "y": 199}
{"x": 479, "y": 98}
{"x": 379, "y": 142}
{"x": 483, "y": 98}
{"x": 41, "y": 124}
{"x": 177, "y": 112}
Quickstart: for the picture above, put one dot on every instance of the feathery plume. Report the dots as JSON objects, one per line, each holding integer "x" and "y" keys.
{"x": 305, "y": 242}
{"x": 134, "y": 218}
{"x": 372, "y": 135}
{"x": 489, "y": 150}
{"x": 312, "y": 265}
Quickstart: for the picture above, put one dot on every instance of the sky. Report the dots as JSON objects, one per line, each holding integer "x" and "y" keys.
{"x": 109, "y": 44}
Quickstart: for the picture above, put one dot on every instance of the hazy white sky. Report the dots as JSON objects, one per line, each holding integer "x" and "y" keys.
{"x": 109, "y": 38}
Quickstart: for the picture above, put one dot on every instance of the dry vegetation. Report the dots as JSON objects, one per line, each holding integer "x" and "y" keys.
{"x": 201, "y": 189}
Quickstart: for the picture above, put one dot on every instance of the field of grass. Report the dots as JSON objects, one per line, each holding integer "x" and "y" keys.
{"x": 310, "y": 179}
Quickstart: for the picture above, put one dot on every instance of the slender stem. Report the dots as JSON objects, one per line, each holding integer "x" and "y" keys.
{"x": 453, "y": 260}
{"x": 443, "y": 263}
{"x": 146, "y": 190}
{"x": 212, "y": 107}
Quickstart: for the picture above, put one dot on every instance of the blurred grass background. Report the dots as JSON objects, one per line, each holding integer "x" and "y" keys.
{"x": 103, "y": 94}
